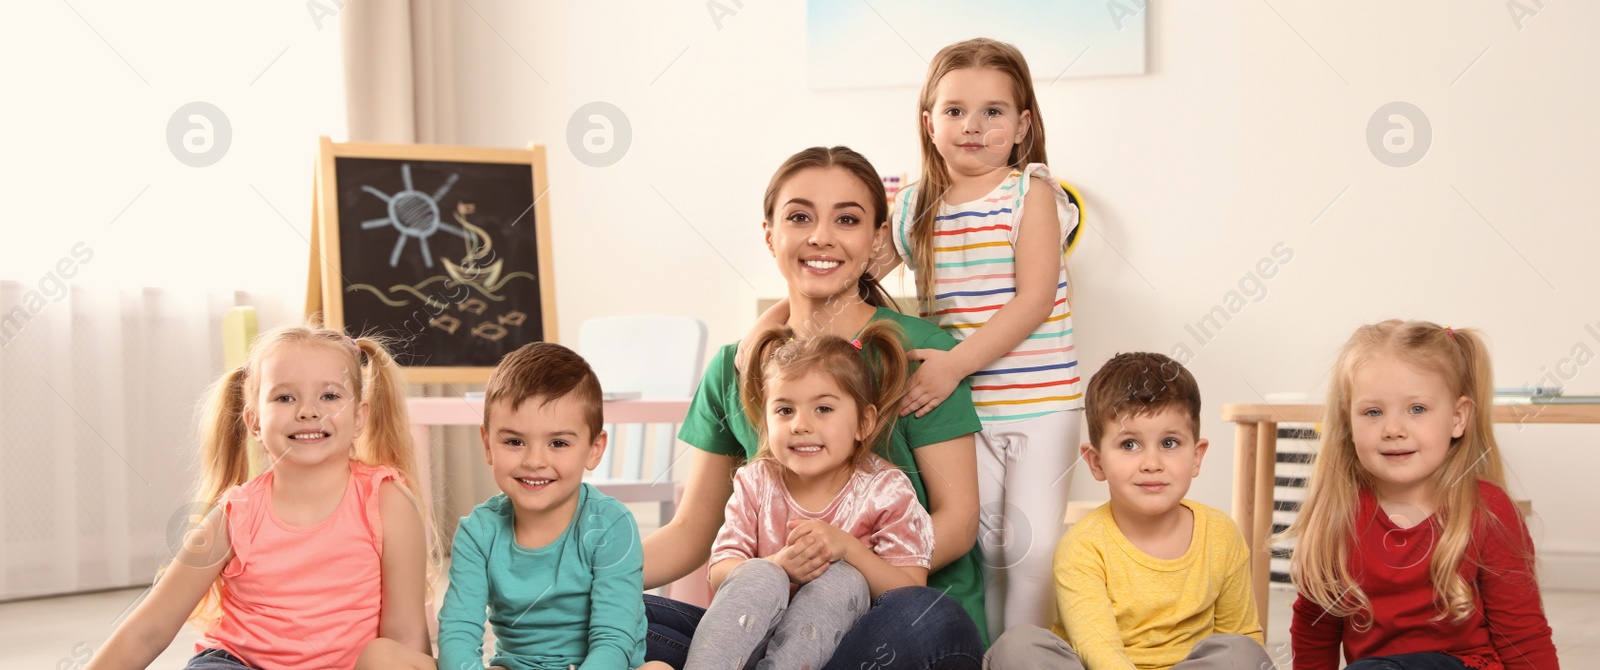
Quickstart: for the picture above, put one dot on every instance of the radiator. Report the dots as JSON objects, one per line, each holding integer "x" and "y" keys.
{"x": 1297, "y": 449}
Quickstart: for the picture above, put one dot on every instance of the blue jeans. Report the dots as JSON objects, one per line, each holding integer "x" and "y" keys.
{"x": 215, "y": 659}
{"x": 910, "y": 628}
{"x": 1428, "y": 661}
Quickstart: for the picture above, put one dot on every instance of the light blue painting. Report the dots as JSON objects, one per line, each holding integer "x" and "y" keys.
{"x": 888, "y": 43}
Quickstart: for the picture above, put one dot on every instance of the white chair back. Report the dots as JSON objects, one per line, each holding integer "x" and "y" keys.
{"x": 643, "y": 357}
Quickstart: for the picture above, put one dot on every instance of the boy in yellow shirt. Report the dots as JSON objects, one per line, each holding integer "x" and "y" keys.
{"x": 1148, "y": 581}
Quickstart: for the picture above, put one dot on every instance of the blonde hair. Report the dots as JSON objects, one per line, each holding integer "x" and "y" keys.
{"x": 876, "y": 379}
{"x": 935, "y": 181}
{"x": 1327, "y": 520}
{"x": 385, "y": 439}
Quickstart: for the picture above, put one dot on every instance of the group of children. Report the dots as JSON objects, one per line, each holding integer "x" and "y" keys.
{"x": 1409, "y": 554}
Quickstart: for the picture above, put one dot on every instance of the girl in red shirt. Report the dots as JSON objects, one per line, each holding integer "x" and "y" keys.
{"x": 1409, "y": 553}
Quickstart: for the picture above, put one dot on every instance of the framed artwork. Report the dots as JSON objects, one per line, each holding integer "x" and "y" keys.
{"x": 888, "y": 43}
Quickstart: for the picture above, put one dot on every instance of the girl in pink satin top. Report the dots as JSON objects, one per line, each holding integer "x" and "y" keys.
{"x": 818, "y": 524}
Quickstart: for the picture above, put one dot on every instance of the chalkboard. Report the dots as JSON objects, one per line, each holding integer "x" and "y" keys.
{"x": 443, "y": 250}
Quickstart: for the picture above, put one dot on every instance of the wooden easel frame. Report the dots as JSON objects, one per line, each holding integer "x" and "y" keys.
{"x": 327, "y": 297}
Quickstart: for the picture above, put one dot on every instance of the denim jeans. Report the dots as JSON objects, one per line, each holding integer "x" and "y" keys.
{"x": 215, "y": 659}
{"x": 1428, "y": 661}
{"x": 911, "y": 628}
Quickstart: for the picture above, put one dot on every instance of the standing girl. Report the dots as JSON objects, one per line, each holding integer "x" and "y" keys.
{"x": 305, "y": 564}
{"x": 815, "y": 493}
{"x": 1409, "y": 552}
{"x": 985, "y": 229}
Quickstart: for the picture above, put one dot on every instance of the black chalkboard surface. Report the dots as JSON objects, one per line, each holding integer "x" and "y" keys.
{"x": 443, "y": 250}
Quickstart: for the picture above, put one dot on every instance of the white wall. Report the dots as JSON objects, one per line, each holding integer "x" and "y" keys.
{"x": 90, "y": 87}
{"x": 1251, "y": 121}
{"x": 100, "y": 381}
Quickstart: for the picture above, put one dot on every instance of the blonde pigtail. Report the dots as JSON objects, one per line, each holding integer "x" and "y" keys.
{"x": 387, "y": 439}
{"x": 224, "y": 464}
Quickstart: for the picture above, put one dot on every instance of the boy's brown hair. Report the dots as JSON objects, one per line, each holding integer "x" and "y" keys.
{"x": 545, "y": 371}
{"x": 1139, "y": 384}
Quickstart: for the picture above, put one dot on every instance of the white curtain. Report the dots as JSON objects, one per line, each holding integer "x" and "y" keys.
{"x": 397, "y": 65}
{"x": 399, "y": 90}
{"x": 99, "y": 392}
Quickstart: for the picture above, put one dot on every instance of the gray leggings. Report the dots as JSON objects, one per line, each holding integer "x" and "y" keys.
{"x": 752, "y": 620}
{"x": 1035, "y": 647}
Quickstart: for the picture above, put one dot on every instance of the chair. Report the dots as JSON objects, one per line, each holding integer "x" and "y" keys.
{"x": 652, "y": 357}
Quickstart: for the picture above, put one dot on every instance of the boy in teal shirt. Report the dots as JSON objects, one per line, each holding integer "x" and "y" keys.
{"x": 555, "y": 562}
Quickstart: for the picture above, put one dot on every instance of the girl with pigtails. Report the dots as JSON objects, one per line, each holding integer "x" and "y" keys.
{"x": 818, "y": 507}
{"x": 325, "y": 551}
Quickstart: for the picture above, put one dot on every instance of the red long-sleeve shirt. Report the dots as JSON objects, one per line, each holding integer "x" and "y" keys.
{"x": 1507, "y": 630}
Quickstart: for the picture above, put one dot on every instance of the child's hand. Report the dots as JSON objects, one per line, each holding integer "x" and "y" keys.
{"x": 933, "y": 381}
{"x": 834, "y": 540}
{"x": 803, "y": 561}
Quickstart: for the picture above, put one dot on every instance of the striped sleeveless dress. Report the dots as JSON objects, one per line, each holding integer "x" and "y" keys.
{"x": 975, "y": 274}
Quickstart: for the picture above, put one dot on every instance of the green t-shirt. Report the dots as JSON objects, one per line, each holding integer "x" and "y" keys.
{"x": 716, "y": 423}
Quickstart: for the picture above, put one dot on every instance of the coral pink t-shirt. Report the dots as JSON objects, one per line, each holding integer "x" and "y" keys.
{"x": 302, "y": 598}
{"x": 877, "y": 506}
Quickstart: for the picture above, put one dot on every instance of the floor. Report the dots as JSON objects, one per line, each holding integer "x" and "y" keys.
{"x": 61, "y": 633}
{"x": 1574, "y": 617}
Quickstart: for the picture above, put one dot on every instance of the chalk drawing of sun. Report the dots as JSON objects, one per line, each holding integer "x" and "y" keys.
{"x": 414, "y": 214}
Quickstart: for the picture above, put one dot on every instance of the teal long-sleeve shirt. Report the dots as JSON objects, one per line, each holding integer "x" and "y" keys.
{"x": 576, "y": 601}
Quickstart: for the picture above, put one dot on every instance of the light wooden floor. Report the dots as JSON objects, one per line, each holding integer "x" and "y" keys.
{"x": 60, "y": 633}
{"x": 1574, "y": 617}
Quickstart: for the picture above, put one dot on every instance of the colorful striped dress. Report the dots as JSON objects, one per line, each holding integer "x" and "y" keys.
{"x": 975, "y": 274}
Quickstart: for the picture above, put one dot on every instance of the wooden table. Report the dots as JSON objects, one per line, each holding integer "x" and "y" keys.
{"x": 1256, "y": 454}
{"x": 429, "y": 412}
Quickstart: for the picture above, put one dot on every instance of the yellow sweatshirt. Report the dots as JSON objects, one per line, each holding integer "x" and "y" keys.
{"x": 1121, "y": 608}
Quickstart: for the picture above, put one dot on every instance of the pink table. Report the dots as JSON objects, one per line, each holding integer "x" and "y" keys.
{"x": 429, "y": 412}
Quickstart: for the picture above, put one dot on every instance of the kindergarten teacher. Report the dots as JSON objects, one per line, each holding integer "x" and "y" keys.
{"x": 825, "y": 217}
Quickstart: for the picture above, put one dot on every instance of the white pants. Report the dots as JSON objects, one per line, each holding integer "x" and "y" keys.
{"x": 1024, "y": 470}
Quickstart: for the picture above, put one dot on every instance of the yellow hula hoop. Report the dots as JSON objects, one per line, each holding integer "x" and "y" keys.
{"x": 1083, "y": 217}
